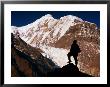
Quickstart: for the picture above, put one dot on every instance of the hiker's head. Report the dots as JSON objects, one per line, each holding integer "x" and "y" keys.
{"x": 75, "y": 41}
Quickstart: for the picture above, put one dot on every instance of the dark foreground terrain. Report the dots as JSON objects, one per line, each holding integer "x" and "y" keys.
{"x": 29, "y": 62}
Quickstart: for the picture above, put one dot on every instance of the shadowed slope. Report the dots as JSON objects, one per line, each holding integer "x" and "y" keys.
{"x": 28, "y": 61}
{"x": 69, "y": 70}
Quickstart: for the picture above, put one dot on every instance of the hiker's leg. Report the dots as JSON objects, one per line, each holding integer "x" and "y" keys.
{"x": 69, "y": 56}
{"x": 76, "y": 61}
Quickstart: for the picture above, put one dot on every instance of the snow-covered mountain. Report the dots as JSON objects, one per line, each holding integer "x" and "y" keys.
{"x": 55, "y": 36}
{"x": 46, "y": 30}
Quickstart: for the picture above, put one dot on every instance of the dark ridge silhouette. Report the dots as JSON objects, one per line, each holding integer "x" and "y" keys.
{"x": 31, "y": 62}
{"x": 19, "y": 73}
{"x": 24, "y": 66}
{"x": 69, "y": 70}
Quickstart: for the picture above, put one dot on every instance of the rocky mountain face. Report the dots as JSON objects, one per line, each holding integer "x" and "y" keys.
{"x": 89, "y": 42}
{"x": 54, "y": 37}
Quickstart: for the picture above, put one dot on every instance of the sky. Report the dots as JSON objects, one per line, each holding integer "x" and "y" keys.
{"x": 22, "y": 18}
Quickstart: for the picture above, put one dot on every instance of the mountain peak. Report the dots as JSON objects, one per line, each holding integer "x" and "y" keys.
{"x": 47, "y": 16}
{"x": 71, "y": 17}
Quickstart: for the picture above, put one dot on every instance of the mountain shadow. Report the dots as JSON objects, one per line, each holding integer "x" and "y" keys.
{"x": 22, "y": 63}
{"x": 69, "y": 70}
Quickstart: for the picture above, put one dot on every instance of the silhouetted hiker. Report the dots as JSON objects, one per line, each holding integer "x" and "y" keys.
{"x": 74, "y": 52}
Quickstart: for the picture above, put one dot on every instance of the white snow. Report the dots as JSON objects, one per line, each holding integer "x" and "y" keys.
{"x": 44, "y": 36}
{"x": 71, "y": 18}
{"x": 58, "y": 55}
{"x": 52, "y": 23}
{"x": 14, "y": 29}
